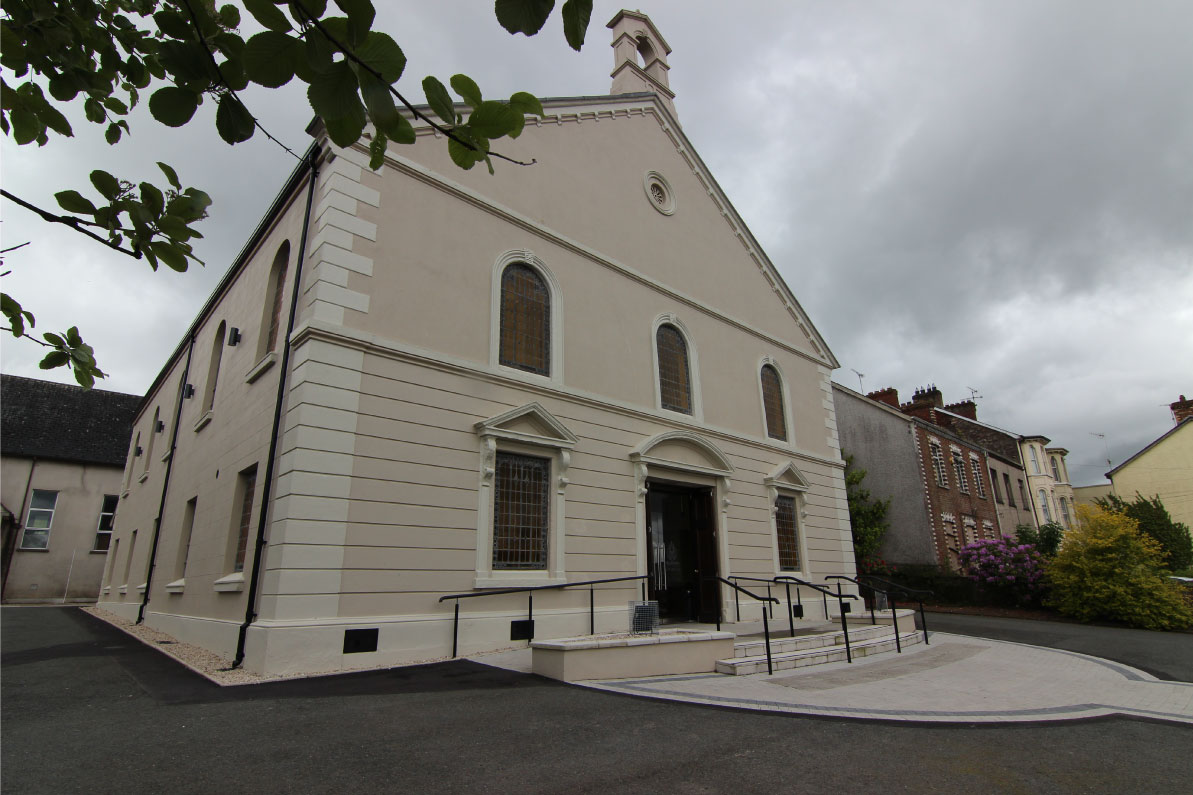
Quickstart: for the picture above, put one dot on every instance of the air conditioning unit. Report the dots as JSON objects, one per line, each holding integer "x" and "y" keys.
{"x": 644, "y": 617}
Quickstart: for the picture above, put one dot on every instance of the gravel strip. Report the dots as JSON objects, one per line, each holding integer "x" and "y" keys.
{"x": 210, "y": 665}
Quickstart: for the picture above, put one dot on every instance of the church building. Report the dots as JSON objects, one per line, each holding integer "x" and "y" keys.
{"x": 421, "y": 381}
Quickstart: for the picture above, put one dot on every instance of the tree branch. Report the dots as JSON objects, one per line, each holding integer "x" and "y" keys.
{"x": 73, "y": 223}
{"x": 235, "y": 96}
{"x": 343, "y": 48}
{"x": 27, "y": 337}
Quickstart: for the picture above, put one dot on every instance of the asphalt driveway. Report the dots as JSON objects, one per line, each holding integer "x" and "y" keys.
{"x": 88, "y": 709}
{"x": 1165, "y": 655}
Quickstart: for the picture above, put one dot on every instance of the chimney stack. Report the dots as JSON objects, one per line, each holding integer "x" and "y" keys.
{"x": 1181, "y": 410}
{"x": 924, "y": 403}
{"x": 965, "y": 408}
{"x": 889, "y": 396}
{"x": 635, "y": 38}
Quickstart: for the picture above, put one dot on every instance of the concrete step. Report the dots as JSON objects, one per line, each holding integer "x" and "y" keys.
{"x": 754, "y": 646}
{"x": 862, "y": 644}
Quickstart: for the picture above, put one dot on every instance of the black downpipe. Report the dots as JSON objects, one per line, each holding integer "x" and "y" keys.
{"x": 161, "y": 506}
{"x": 250, "y": 612}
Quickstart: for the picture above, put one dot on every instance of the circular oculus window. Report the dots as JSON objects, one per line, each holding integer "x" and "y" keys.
{"x": 659, "y": 192}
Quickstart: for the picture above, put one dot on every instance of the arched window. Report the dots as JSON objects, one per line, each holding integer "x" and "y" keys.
{"x": 675, "y": 378}
{"x": 271, "y": 320}
{"x": 525, "y": 320}
{"x": 213, "y": 367}
{"x": 772, "y": 403}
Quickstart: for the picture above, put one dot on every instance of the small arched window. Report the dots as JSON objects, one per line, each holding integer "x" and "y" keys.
{"x": 525, "y": 320}
{"x": 772, "y": 403}
{"x": 675, "y": 376}
{"x": 271, "y": 320}
{"x": 213, "y": 367}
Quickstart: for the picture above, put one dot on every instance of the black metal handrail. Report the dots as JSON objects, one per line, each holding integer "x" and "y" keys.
{"x": 825, "y": 593}
{"x": 914, "y": 593}
{"x": 873, "y": 620}
{"x": 770, "y": 667}
{"x": 529, "y": 591}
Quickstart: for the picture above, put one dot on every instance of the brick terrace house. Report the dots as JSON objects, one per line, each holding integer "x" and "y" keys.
{"x": 940, "y": 483}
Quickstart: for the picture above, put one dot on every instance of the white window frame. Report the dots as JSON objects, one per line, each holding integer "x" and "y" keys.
{"x": 49, "y": 525}
{"x": 939, "y": 467}
{"x": 100, "y": 523}
{"x": 975, "y": 463}
{"x": 959, "y": 469}
{"x": 788, "y": 481}
{"x": 494, "y": 436}
{"x": 530, "y": 260}
{"x": 693, "y": 368}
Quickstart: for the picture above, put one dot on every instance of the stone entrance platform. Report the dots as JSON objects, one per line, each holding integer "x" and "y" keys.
{"x": 954, "y": 679}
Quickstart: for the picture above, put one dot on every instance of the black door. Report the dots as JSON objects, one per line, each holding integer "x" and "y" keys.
{"x": 682, "y": 551}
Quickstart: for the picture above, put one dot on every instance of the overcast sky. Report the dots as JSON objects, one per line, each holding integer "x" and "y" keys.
{"x": 996, "y": 195}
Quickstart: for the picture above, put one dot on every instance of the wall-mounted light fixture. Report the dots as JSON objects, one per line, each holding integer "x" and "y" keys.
{"x": 188, "y": 391}
{"x": 233, "y": 337}
{"x": 161, "y": 426}
{"x": 137, "y": 452}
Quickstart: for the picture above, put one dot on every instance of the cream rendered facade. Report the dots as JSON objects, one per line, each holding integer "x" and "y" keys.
{"x": 395, "y": 403}
{"x": 1048, "y": 484}
{"x": 1165, "y": 469}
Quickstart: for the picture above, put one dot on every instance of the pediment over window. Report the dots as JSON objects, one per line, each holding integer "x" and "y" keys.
{"x": 531, "y": 423}
{"x": 787, "y": 476}
{"x": 682, "y": 450}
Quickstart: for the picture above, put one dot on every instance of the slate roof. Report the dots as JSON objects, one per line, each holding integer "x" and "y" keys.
{"x": 66, "y": 423}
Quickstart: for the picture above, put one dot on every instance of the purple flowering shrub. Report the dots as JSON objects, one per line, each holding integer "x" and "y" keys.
{"x": 1002, "y": 566}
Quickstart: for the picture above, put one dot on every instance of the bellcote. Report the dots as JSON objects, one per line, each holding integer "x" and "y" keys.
{"x": 640, "y": 57}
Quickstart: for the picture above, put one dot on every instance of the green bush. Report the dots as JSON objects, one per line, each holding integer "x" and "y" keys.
{"x": 1108, "y": 569}
{"x": 1155, "y": 521}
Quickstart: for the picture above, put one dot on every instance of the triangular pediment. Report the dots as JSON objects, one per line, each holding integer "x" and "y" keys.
{"x": 530, "y": 423}
{"x": 787, "y": 476}
{"x": 682, "y": 450}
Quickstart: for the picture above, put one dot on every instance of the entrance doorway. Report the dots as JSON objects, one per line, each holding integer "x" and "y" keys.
{"x": 682, "y": 551}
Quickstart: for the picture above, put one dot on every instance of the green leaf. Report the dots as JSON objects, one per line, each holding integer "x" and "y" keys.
{"x": 74, "y": 202}
{"x": 576, "y": 14}
{"x": 72, "y": 336}
{"x": 54, "y": 359}
{"x": 523, "y": 16}
{"x": 269, "y": 15}
{"x": 63, "y": 87}
{"x": 311, "y": 8}
{"x": 461, "y": 155}
{"x": 383, "y": 54}
{"x": 360, "y": 18}
{"x": 112, "y": 134}
{"x": 84, "y": 377}
{"x": 186, "y": 60}
{"x": 229, "y": 16}
{"x": 377, "y": 149}
{"x": 333, "y": 93}
{"x": 152, "y": 198}
{"x": 403, "y": 133}
{"x": 439, "y": 100}
{"x": 94, "y": 110}
{"x": 526, "y": 103}
{"x": 379, "y": 102}
{"x": 171, "y": 175}
{"x": 107, "y": 185}
{"x": 169, "y": 254}
{"x": 173, "y": 106}
{"x": 15, "y": 314}
{"x": 173, "y": 24}
{"x": 25, "y": 126}
{"x": 55, "y": 120}
{"x": 467, "y": 88}
{"x": 346, "y": 130}
{"x": 269, "y": 58}
{"x": 495, "y": 119}
{"x": 116, "y": 106}
{"x": 54, "y": 340}
{"x": 233, "y": 121}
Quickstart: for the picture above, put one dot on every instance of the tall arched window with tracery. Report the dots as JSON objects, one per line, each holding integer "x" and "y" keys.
{"x": 772, "y": 403}
{"x": 675, "y": 375}
{"x": 525, "y": 320}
